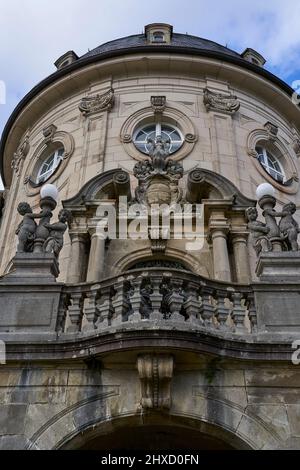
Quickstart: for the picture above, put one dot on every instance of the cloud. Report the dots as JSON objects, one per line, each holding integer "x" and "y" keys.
{"x": 34, "y": 33}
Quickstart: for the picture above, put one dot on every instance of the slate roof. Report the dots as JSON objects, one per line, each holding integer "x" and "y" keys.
{"x": 178, "y": 40}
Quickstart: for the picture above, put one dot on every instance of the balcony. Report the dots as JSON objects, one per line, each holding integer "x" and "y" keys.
{"x": 157, "y": 298}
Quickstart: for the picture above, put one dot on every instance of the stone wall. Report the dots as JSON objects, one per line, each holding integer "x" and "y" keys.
{"x": 64, "y": 405}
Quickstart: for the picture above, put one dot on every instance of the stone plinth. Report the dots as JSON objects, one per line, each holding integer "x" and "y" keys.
{"x": 33, "y": 268}
{"x": 279, "y": 267}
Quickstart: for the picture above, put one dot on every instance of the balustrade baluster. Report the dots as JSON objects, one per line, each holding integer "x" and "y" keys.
{"x": 175, "y": 300}
{"x": 221, "y": 311}
{"x": 207, "y": 309}
{"x": 62, "y": 312}
{"x": 120, "y": 303}
{"x": 75, "y": 312}
{"x": 89, "y": 309}
{"x": 104, "y": 307}
{"x": 192, "y": 303}
{"x": 250, "y": 304}
{"x": 156, "y": 299}
{"x": 136, "y": 300}
{"x": 238, "y": 313}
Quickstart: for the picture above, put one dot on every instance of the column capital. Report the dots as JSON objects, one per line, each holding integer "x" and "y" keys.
{"x": 80, "y": 236}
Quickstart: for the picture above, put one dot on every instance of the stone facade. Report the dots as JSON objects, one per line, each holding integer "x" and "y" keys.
{"x": 145, "y": 334}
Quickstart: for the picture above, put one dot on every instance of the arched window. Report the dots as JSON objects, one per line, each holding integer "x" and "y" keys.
{"x": 270, "y": 164}
{"x": 151, "y": 131}
{"x": 49, "y": 165}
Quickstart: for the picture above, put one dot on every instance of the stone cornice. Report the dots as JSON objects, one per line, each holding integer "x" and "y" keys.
{"x": 262, "y": 348}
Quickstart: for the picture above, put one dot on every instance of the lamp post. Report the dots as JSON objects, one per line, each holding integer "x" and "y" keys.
{"x": 48, "y": 202}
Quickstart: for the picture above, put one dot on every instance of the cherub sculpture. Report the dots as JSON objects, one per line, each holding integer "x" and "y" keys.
{"x": 159, "y": 151}
{"x": 26, "y": 230}
{"x": 55, "y": 241}
{"x": 288, "y": 226}
{"x": 259, "y": 232}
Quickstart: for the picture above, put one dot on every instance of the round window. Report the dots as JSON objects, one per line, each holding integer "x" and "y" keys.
{"x": 144, "y": 135}
{"x": 49, "y": 165}
{"x": 270, "y": 164}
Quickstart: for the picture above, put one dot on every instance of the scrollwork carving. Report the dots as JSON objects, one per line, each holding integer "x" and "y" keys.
{"x": 220, "y": 102}
{"x": 97, "y": 103}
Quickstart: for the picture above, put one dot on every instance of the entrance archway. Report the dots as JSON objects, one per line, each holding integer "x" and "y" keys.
{"x": 155, "y": 432}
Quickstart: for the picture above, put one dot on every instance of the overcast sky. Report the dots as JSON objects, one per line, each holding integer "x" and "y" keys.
{"x": 34, "y": 33}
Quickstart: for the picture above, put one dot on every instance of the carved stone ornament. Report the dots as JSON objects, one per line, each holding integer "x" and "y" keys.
{"x": 296, "y": 145}
{"x": 155, "y": 373}
{"x": 126, "y": 138}
{"x": 158, "y": 103}
{"x": 20, "y": 155}
{"x": 158, "y": 176}
{"x": 48, "y": 133}
{"x": 97, "y": 103}
{"x": 220, "y": 102}
{"x": 272, "y": 130}
{"x": 191, "y": 138}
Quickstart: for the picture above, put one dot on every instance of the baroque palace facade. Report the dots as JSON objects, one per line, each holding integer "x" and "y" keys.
{"x": 154, "y": 341}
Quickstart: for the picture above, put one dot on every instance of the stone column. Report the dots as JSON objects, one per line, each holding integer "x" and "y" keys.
{"x": 220, "y": 255}
{"x": 96, "y": 258}
{"x": 241, "y": 257}
{"x": 76, "y": 266}
{"x": 218, "y": 230}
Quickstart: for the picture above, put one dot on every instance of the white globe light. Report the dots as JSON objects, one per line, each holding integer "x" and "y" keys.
{"x": 265, "y": 189}
{"x": 49, "y": 190}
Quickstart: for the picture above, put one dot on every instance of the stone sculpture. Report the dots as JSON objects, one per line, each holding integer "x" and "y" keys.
{"x": 55, "y": 241}
{"x": 29, "y": 232}
{"x": 158, "y": 176}
{"x": 259, "y": 232}
{"x": 270, "y": 236}
{"x": 289, "y": 227}
{"x": 26, "y": 230}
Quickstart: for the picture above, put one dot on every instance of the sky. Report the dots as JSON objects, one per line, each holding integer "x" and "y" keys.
{"x": 34, "y": 33}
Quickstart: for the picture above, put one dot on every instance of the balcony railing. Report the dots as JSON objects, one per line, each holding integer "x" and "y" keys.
{"x": 157, "y": 296}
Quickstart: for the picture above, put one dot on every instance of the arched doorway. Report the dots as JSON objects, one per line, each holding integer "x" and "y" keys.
{"x": 155, "y": 432}
{"x": 155, "y": 438}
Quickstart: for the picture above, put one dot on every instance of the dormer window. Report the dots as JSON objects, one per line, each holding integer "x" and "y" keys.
{"x": 158, "y": 33}
{"x": 158, "y": 36}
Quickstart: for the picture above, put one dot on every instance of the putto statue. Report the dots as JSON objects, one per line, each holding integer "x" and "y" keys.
{"x": 259, "y": 232}
{"x": 55, "y": 241}
{"x": 26, "y": 230}
{"x": 288, "y": 226}
{"x": 271, "y": 236}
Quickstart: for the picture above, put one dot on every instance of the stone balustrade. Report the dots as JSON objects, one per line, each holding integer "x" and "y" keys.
{"x": 157, "y": 296}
